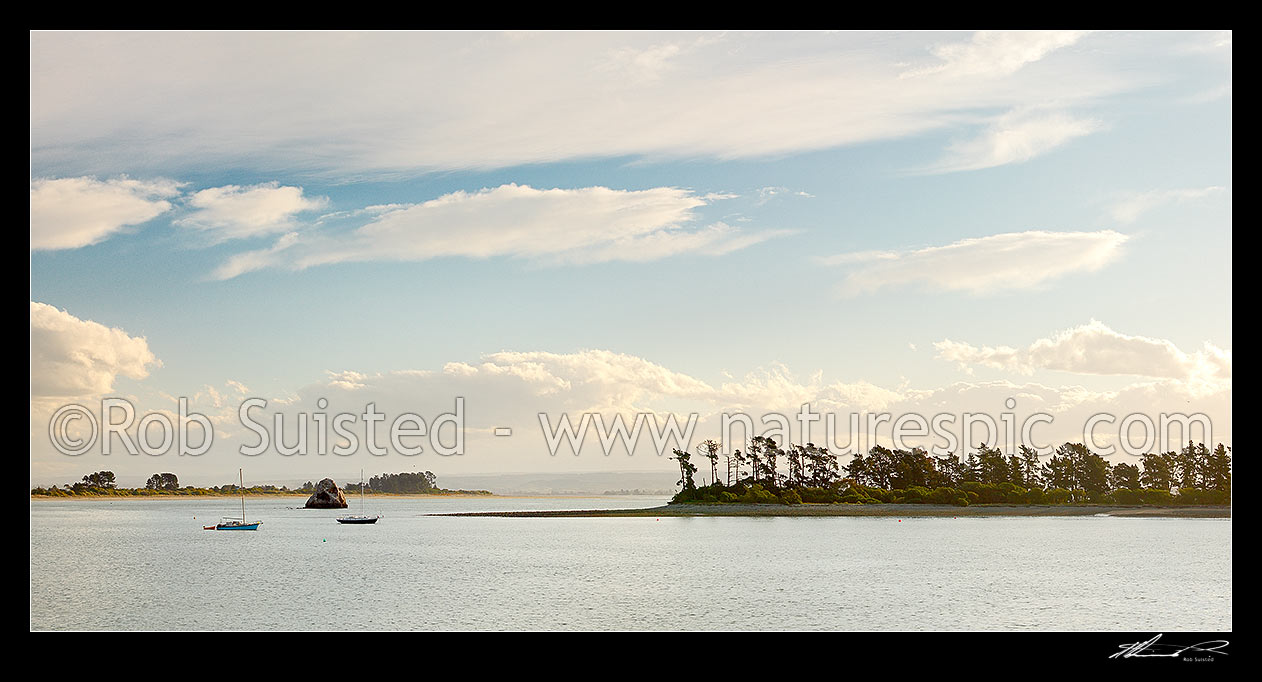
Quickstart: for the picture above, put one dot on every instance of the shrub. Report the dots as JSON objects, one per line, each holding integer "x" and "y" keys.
{"x": 818, "y": 495}
{"x": 1124, "y": 496}
{"x": 790, "y": 497}
{"x": 1056, "y": 496}
{"x": 758, "y": 494}
{"x": 1199, "y": 496}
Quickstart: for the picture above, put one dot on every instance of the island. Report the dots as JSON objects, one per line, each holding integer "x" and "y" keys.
{"x": 807, "y": 480}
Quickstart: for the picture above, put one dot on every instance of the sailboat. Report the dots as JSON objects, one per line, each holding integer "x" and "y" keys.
{"x": 238, "y": 524}
{"x": 361, "y": 518}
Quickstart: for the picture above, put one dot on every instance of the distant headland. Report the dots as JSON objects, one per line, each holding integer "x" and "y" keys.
{"x": 102, "y": 484}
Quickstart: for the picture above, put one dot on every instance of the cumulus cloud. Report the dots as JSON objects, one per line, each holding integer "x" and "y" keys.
{"x": 1129, "y": 209}
{"x": 73, "y": 358}
{"x": 67, "y": 213}
{"x": 587, "y": 225}
{"x": 347, "y": 102}
{"x": 236, "y": 212}
{"x": 1015, "y": 137}
{"x": 1010, "y": 261}
{"x": 1094, "y": 348}
{"x": 512, "y": 388}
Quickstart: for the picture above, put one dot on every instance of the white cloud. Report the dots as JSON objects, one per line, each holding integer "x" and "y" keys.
{"x": 1015, "y": 137}
{"x": 235, "y": 212}
{"x": 67, "y": 213}
{"x": 347, "y": 102}
{"x": 996, "y": 53}
{"x": 511, "y": 389}
{"x": 766, "y": 194}
{"x": 1001, "y": 262}
{"x": 643, "y": 64}
{"x": 588, "y": 225}
{"x": 1096, "y": 349}
{"x": 73, "y": 358}
{"x": 1129, "y": 209}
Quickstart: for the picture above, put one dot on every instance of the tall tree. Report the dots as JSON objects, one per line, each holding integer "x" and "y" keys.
{"x": 796, "y": 456}
{"x": 1125, "y": 477}
{"x": 764, "y": 453}
{"x": 1188, "y": 466}
{"x": 754, "y": 453}
{"x": 100, "y": 479}
{"x": 1030, "y": 468}
{"x": 1087, "y": 470}
{"x": 949, "y": 471}
{"x": 1217, "y": 469}
{"x": 992, "y": 466}
{"x": 821, "y": 466}
{"x": 858, "y": 469}
{"x": 1159, "y": 471}
{"x": 710, "y": 450}
{"x": 686, "y": 469}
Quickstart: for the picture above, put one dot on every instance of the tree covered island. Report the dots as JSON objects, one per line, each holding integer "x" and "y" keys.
{"x": 804, "y": 474}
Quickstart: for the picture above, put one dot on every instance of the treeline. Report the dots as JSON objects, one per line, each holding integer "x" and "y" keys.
{"x": 102, "y": 483}
{"x": 767, "y": 473}
{"x": 406, "y": 483}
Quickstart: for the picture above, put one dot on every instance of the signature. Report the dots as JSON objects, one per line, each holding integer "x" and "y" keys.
{"x": 1152, "y": 649}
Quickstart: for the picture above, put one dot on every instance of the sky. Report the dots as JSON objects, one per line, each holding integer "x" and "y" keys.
{"x": 600, "y": 223}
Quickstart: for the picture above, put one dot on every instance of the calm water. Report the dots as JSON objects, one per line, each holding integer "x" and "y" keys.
{"x": 148, "y": 565}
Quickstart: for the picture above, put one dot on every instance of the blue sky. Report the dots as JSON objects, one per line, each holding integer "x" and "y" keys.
{"x": 866, "y": 221}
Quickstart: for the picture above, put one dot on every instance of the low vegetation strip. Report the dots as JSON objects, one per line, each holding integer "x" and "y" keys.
{"x": 885, "y": 510}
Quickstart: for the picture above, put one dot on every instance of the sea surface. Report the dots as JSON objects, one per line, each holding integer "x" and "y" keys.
{"x": 148, "y": 565}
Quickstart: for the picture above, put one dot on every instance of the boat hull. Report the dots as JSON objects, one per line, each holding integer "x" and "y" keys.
{"x": 239, "y": 526}
{"x": 358, "y": 519}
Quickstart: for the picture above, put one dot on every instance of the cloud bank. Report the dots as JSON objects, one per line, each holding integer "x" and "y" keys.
{"x": 1094, "y": 348}
{"x": 346, "y": 102}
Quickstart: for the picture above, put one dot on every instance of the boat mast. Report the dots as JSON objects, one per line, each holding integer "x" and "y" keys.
{"x": 363, "y": 506}
{"x": 241, "y": 474}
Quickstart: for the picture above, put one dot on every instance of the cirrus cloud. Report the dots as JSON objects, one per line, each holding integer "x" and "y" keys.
{"x": 349, "y": 102}
{"x": 1129, "y": 209}
{"x": 1016, "y": 137}
{"x": 1014, "y": 260}
{"x": 995, "y": 53}
{"x": 585, "y": 225}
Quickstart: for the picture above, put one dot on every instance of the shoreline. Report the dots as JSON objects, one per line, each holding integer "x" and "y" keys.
{"x": 250, "y": 496}
{"x": 265, "y": 496}
{"x": 870, "y": 510}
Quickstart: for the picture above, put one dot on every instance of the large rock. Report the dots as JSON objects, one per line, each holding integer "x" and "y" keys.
{"x": 326, "y": 496}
